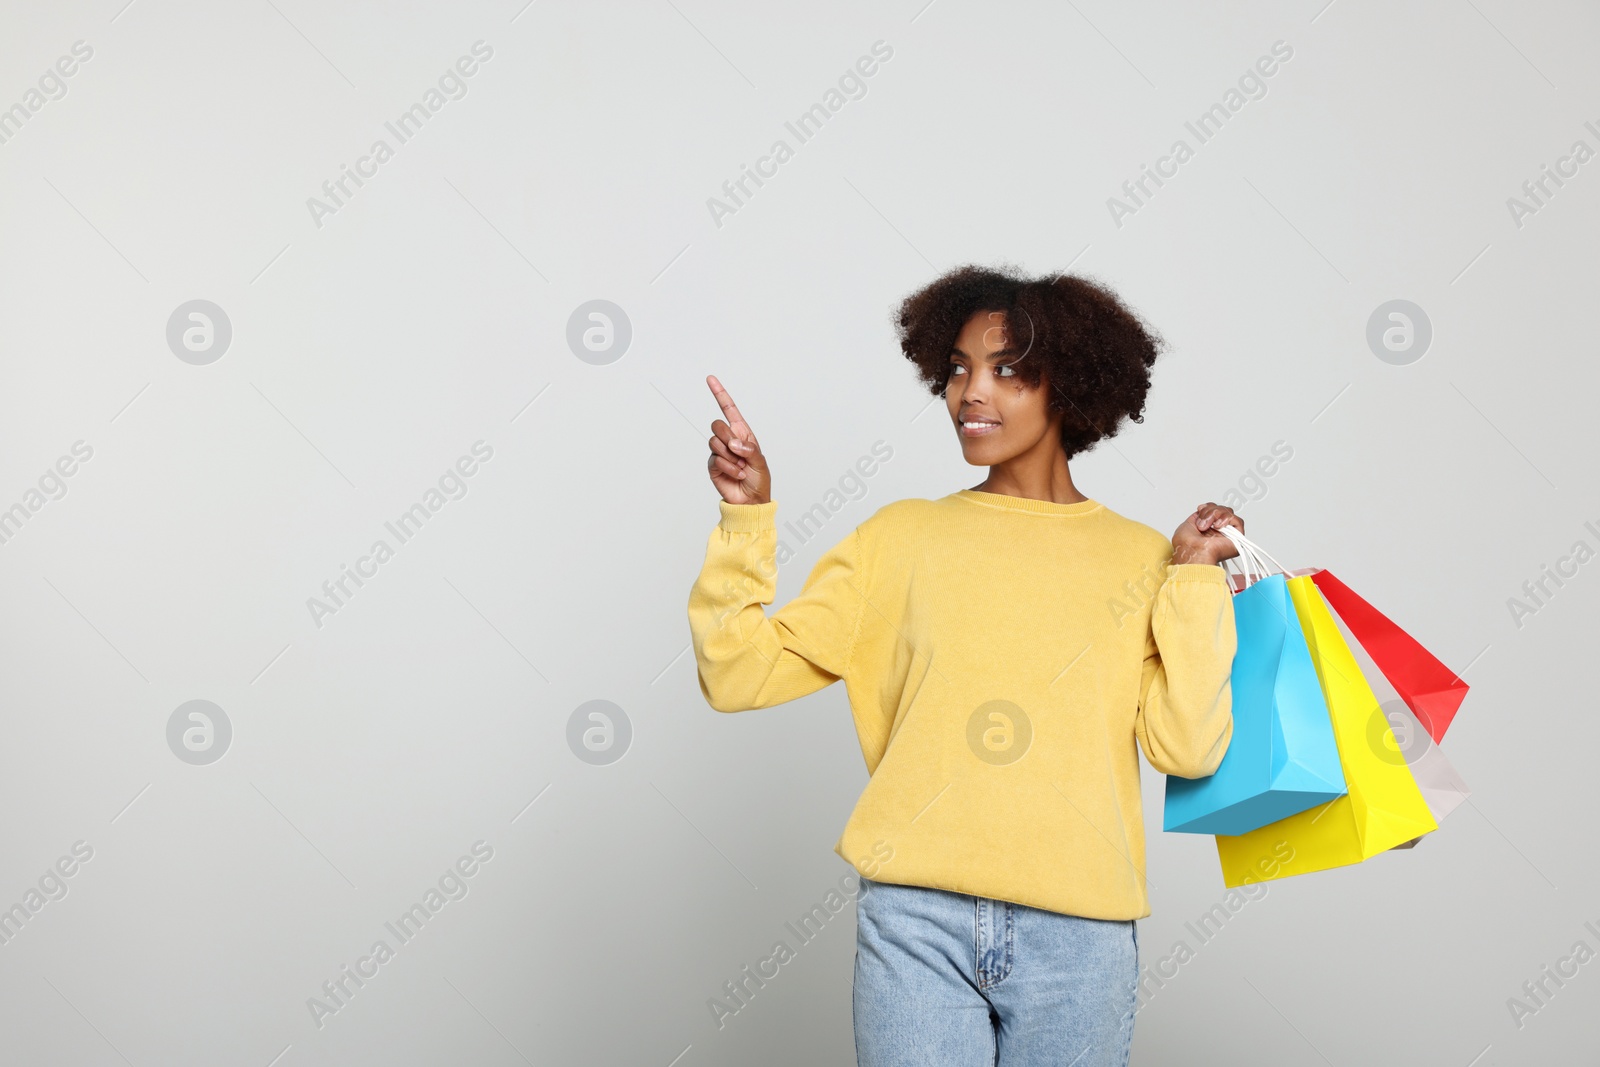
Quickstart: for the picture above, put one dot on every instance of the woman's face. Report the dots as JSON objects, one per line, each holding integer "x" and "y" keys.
{"x": 1004, "y": 417}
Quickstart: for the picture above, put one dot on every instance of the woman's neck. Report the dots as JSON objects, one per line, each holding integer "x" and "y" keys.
{"x": 1044, "y": 481}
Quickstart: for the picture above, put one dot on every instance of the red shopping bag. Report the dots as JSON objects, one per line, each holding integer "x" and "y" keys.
{"x": 1431, "y": 690}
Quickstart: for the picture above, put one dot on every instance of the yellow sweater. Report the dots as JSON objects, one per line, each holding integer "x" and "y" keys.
{"x": 1001, "y": 655}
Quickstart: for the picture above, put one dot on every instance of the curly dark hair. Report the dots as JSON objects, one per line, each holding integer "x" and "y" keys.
{"x": 1074, "y": 332}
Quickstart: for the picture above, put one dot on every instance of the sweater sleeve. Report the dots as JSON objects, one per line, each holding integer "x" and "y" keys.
{"x": 1185, "y": 716}
{"x": 747, "y": 660}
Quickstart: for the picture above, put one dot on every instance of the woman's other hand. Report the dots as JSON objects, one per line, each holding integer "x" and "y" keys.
{"x": 737, "y": 467}
{"x": 1197, "y": 540}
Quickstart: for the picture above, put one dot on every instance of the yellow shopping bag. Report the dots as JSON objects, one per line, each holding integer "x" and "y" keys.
{"x": 1383, "y": 808}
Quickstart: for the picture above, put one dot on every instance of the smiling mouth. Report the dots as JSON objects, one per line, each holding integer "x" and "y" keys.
{"x": 979, "y": 428}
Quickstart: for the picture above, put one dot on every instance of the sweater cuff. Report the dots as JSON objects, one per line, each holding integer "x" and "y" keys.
{"x": 749, "y": 518}
{"x": 1197, "y": 572}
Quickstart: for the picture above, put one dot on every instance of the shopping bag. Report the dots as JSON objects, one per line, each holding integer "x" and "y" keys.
{"x": 1442, "y": 786}
{"x": 1282, "y": 757}
{"x": 1383, "y": 805}
{"x": 1430, "y": 689}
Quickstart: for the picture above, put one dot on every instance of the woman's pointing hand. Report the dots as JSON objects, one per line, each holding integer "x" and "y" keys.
{"x": 737, "y": 467}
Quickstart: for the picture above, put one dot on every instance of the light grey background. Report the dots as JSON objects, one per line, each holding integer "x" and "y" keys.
{"x": 431, "y": 312}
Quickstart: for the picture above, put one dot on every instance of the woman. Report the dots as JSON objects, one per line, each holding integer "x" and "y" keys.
{"x": 1006, "y": 650}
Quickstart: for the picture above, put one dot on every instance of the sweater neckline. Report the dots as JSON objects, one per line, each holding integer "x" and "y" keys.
{"x": 1025, "y": 503}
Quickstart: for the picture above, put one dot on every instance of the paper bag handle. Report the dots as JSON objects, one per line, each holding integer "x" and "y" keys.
{"x": 1253, "y": 559}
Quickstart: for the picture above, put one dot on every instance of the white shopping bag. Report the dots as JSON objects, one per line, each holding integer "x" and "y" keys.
{"x": 1442, "y": 787}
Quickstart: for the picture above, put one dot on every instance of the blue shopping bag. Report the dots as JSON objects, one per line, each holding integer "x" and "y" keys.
{"x": 1282, "y": 758}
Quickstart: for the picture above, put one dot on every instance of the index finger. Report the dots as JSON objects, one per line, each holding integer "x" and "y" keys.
{"x": 729, "y": 408}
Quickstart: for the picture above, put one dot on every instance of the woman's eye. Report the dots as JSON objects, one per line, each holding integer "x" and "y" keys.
{"x": 956, "y": 367}
{"x": 1009, "y": 373}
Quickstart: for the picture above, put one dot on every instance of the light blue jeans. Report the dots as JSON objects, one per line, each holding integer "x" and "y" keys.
{"x": 944, "y": 979}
